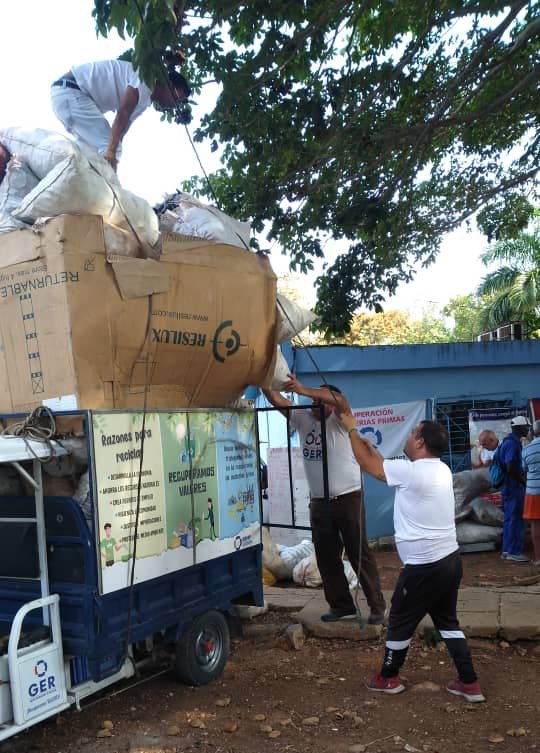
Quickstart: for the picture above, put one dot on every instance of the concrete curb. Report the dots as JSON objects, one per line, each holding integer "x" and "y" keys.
{"x": 509, "y": 613}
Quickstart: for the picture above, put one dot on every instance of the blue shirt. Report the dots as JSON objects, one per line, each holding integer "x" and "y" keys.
{"x": 531, "y": 465}
{"x": 510, "y": 452}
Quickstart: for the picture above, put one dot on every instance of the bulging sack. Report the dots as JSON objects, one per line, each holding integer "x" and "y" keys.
{"x": 291, "y": 318}
{"x": 74, "y": 186}
{"x": 40, "y": 150}
{"x": 18, "y": 181}
{"x": 184, "y": 214}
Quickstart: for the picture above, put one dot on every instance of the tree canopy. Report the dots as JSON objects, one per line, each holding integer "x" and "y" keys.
{"x": 377, "y": 124}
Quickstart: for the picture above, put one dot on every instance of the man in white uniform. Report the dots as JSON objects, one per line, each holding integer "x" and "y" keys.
{"x": 81, "y": 96}
{"x": 339, "y": 520}
{"x": 425, "y": 537}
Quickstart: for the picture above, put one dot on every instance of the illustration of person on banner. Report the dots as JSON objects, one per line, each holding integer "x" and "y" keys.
{"x": 109, "y": 546}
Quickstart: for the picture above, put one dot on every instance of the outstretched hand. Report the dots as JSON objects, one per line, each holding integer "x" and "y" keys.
{"x": 292, "y": 384}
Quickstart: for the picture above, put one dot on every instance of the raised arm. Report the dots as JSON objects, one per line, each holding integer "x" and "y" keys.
{"x": 368, "y": 458}
{"x": 276, "y": 399}
{"x": 324, "y": 395}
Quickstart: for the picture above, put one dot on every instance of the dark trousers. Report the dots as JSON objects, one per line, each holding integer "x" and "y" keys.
{"x": 337, "y": 523}
{"x": 513, "y": 526}
{"x": 427, "y": 589}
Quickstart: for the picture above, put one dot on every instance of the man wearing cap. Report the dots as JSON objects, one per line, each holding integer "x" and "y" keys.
{"x": 81, "y": 96}
{"x": 513, "y": 490}
{"x": 531, "y": 464}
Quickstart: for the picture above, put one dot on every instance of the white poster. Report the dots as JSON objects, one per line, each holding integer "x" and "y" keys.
{"x": 495, "y": 419}
{"x": 388, "y": 426}
{"x": 280, "y": 507}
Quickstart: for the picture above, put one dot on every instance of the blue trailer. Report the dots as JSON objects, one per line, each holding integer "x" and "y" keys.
{"x": 164, "y": 544}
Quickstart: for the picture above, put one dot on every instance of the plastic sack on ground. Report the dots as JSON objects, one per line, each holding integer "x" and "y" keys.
{"x": 306, "y": 572}
{"x": 271, "y": 559}
{"x": 291, "y": 555}
{"x": 468, "y": 485}
{"x": 474, "y": 533}
{"x": 291, "y": 318}
{"x": 183, "y": 213}
{"x": 485, "y": 512}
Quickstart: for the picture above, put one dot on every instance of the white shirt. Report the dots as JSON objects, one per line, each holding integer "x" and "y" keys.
{"x": 344, "y": 473}
{"x": 106, "y": 81}
{"x": 424, "y": 525}
{"x": 486, "y": 455}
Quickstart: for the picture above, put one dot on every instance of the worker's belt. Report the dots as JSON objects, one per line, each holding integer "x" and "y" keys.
{"x": 66, "y": 82}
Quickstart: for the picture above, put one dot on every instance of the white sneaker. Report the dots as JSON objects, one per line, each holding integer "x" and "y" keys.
{"x": 516, "y": 558}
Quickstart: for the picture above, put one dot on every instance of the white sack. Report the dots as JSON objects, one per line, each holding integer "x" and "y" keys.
{"x": 281, "y": 371}
{"x": 291, "y": 318}
{"x": 9, "y": 223}
{"x": 292, "y": 555}
{"x": 474, "y": 533}
{"x": 306, "y": 572}
{"x": 18, "y": 181}
{"x": 74, "y": 186}
{"x": 39, "y": 149}
{"x": 271, "y": 559}
{"x": 187, "y": 215}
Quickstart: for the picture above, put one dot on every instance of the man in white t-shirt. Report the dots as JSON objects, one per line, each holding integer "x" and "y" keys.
{"x": 82, "y": 96}
{"x": 337, "y": 520}
{"x": 425, "y": 535}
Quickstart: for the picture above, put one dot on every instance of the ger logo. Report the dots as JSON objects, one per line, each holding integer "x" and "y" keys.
{"x": 376, "y": 439}
{"x": 225, "y": 342}
{"x": 40, "y": 668}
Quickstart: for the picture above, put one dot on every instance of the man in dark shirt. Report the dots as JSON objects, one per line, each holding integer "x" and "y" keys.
{"x": 513, "y": 490}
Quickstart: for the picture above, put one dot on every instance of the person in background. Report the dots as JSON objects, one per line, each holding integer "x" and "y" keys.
{"x": 425, "y": 535}
{"x": 339, "y": 521}
{"x": 531, "y": 510}
{"x": 81, "y": 96}
{"x": 488, "y": 442}
{"x": 513, "y": 490}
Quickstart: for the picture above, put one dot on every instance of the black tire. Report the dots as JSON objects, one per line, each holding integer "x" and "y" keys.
{"x": 201, "y": 653}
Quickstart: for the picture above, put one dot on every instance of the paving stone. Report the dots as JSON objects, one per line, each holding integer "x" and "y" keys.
{"x": 520, "y": 615}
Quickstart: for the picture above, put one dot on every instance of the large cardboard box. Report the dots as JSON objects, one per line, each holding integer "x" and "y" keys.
{"x": 95, "y": 331}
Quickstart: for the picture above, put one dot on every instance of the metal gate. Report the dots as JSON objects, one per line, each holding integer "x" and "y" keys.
{"x": 454, "y": 415}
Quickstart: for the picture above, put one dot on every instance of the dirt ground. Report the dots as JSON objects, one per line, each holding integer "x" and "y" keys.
{"x": 272, "y": 698}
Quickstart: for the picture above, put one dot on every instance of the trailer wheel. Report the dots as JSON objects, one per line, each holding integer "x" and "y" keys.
{"x": 202, "y": 651}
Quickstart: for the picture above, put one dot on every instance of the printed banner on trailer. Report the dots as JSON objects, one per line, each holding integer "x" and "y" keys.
{"x": 195, "y": 498}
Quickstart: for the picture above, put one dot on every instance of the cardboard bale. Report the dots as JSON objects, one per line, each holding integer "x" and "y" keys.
{"x": 197, "y": 327}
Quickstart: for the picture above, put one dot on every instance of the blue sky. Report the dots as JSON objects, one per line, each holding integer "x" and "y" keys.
{"x": 41, "y": 40}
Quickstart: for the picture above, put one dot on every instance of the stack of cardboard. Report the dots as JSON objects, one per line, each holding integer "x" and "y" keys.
{"x": 81, "y": 328}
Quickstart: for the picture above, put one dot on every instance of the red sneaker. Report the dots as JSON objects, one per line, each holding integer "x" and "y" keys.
{"x": 391, "y": 685}
{"x": 471, "y": 691}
